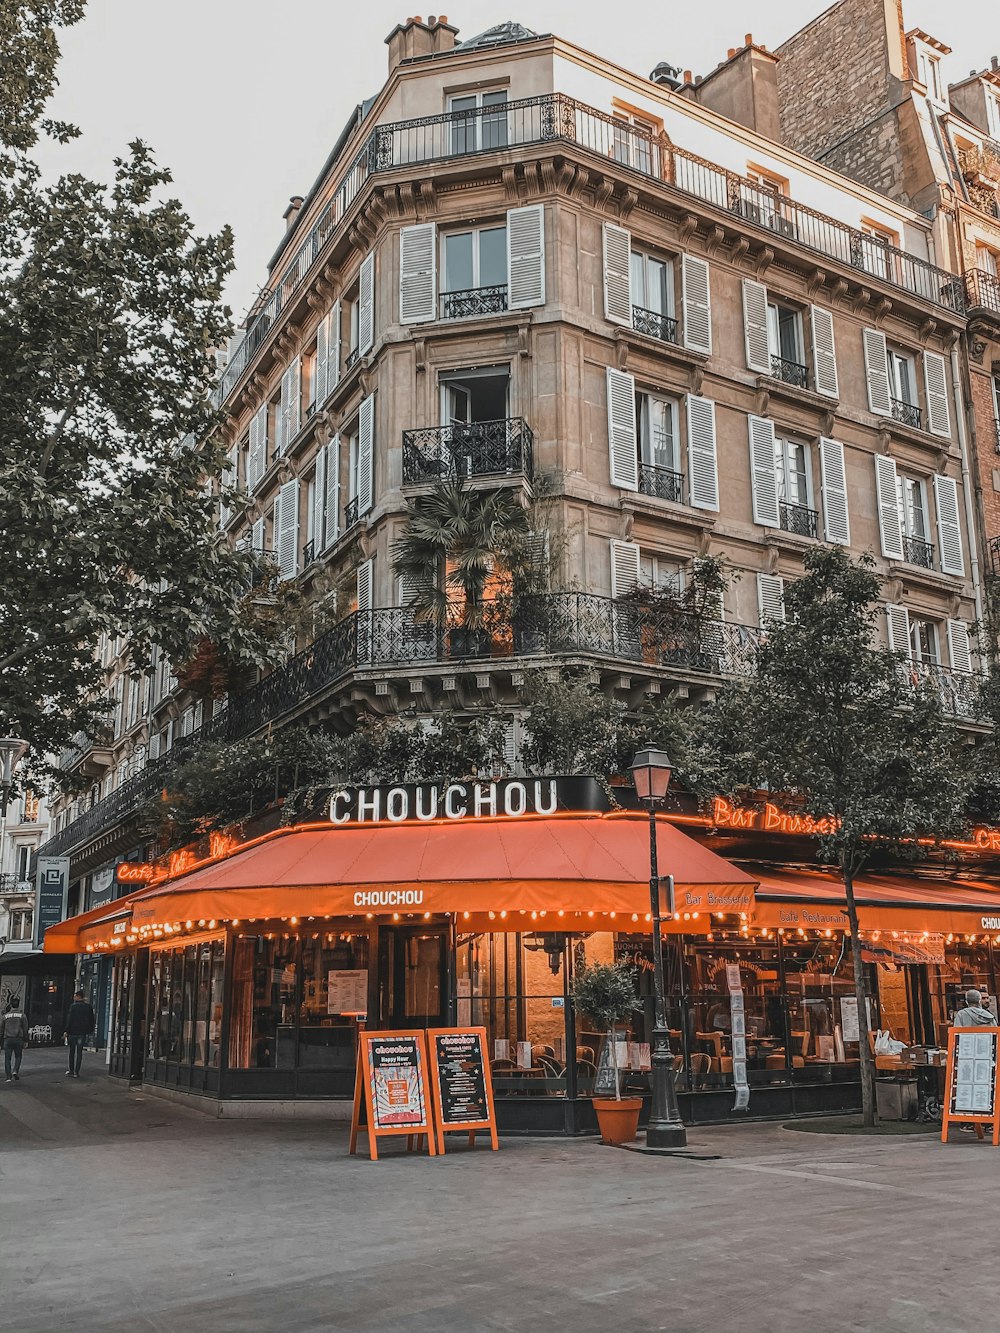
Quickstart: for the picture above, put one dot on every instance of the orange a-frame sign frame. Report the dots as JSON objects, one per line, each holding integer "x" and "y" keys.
{"x": 462, "y": 1083}
{"x": 972, "y": 1081}
{"x": 392, "y": 1084}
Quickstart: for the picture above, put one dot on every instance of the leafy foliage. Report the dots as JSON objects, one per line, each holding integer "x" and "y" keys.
{"x": 606, "y": 994}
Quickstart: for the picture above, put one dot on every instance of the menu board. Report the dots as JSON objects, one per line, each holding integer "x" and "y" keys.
{"x": 971, "y": 1094}
{"x": 460, "y": 1077}
{"x": 347, "y": 991}
{"x": 392, "y": 1085}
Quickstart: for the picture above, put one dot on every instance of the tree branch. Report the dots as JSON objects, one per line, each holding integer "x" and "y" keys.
{"x": 55, "y": 436}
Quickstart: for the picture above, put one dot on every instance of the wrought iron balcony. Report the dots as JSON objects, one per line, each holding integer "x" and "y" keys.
{"x": 465, "y": 451}
{"x": 799, "y": 519}
{"x": 907, "y": 413}
{"x": 662, "y": 482}
{"x": 993, "y": 546}
{"x": 308, "y": 553}
{"x": 982, "y": 291}
{"x": 352, "y": 358}
{"x": 789, "y": 372}
{"x": 918, "y": 552}
{"x": 474, "y": 301}
{"x": 352, "y": 512}
{"x": 11, "y": 886}
{"x": 958, "y": 691}
{"x": 654, "y": 324}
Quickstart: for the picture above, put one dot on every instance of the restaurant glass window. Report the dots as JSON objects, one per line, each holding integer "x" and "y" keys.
{"x": 124, "y": 998}
{"x": 334, "y": 994}
{"x": 968, "y": 965}
{"x": 822, "y": 1008}
{"x": 200, "y": 994}
{"x": 265, "y": 990}
{"x": 216, "y": 993}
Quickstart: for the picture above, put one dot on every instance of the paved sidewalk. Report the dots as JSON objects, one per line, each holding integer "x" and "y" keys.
{"x": 121, "y": 1212}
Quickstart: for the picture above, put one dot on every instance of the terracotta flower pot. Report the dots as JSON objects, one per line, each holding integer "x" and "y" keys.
{"x": 618, "y": 1120}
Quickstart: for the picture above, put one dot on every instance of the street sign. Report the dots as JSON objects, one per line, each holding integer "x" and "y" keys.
{"x": 51, "y": 889}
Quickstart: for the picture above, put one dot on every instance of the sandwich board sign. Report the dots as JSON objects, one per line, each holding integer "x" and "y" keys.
{"x": 462, "y": 1084}
{"x": 391, "y": 1088}
{"x": 971, "y": 1094}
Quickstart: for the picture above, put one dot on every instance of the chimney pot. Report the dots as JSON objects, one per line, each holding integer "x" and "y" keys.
{"x": 687, "y": 76}
{"x": 993, "y": 62}
{"x": 748, "y": 39}
{"x": 730, "y": 53}
{"x": 431, "y": 20}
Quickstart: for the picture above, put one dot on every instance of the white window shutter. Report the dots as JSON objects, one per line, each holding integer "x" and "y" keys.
{"x": 510, "y": 747}
{"x": 364, "y": 585}
{"x": 624, "y": 568}
{"x": 936, "y": 384}
{"x": 696, "y": 298}
{"x": 333, "y": 348}
{"x": 621, "y": 430}
{"x": 897, "y": 624}
{"x": 287, "y": 541}
{"x": 331, "y": 504}
{"x": 763, "y": 479}
{"x": 824, "y": 353}
{"x": 959, "y": 652}
{"x": 366, "y": 454}
{"x": 834, "y": 476}
{"x": 257, "y": 535}
{"x": 257, "y": 455}
{"x": 758, "y": 347}
{"x": 770, "y": 598}
{"x": 418, "y": 273}
{"x": 703, "y": 463}
{"x": 617, "y": 274}
{"x": 319, "y": 501}
{"x": 949, "y": 527}
{"x": 228, "y": 479}
{"x": 525, "y": 257}
{"x": 319, "y": 389}
{"x": 290, "y": 405}
{"x": 276, "y": 526}
{"x": 366, "y": 304}
{"x": 890, "y": 532}
{"x": 877, "y": 372}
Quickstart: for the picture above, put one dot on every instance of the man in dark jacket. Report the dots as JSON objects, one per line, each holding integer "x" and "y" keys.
{"x": 80, "y": 1023}
{"x": 13, "y": 1035}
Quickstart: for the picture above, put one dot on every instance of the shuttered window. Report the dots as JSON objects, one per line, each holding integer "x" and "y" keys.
{"x": 228, "y": 480}
{"x": 617, "y": 274}
{"x": 366, "y": 455}
{"x": 621, "y": 430}
{"x": 366, "y": 304}
{"x": 417, "y": 273}
{"x": 959, "y": 651}
{"x": 697, "y": 302}
{"x": 624, "y": 568}
{"x": 834, "y": 481}
{"x": 331, "y": 503}
{"x": 287, "y": 539}
{"x": 886, "y": 492}
{"x": 770, "y": 598}
{"x": 257, "y": 535}
{"x": 755, "y": 337}
{"x": 877, "y": 372}
{"x": 257, "y": 454}
{"x": 897, "y": 624}
{"x": 526, "y": 257}
{"x": 703, "y": 463}
{"x": 327, "y": 354}
{"x": 289, "y": 406}
{"x": 936, "y": 384}
{"x": 949, "y": 527}
{"x": 824, "y": 353}
{"x": 763, "y": 477}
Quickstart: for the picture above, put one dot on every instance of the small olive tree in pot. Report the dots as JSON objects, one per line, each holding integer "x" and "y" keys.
{"x": 605, "y": 993}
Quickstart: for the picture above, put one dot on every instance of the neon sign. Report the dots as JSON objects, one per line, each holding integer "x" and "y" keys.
{"x": 772, "y": 819}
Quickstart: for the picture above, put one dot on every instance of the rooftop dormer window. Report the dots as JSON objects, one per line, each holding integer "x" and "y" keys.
{"x": 992, "y": 113}
{"x": 929, "y": 74}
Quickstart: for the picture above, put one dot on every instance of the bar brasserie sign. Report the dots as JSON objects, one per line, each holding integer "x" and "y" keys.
{"x": 511, "y": 797}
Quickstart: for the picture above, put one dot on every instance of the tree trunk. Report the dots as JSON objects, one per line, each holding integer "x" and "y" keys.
{"x": 867, "y": 1060}
{"x": 614, "y": 1063}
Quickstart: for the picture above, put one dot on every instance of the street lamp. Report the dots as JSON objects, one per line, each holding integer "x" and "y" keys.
{"x": 651, "y": 771}
{"x": 12, "y": 751}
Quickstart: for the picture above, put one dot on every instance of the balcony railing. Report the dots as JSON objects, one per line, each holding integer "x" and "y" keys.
{"x": 555, "y": 118}
{"x": 308, "y": 553}
{"x": 799, "y": 519}
{"x": 11, "y": 885}
{"x": 982, "y": 291}
{"x": 474, "y": 301}
{"x": 918, "y": 552}
{"x": 464, "y": 451}
{"x": 352, "y": 358}
{"x": 907, "y": 413}
{"x": 993, "y": 547}
{"x": 789, "y": 372}
{"x": 352, "y": 512}
{"x": 958, "y": 691}
{"x": 655, "y": 325}
{"x": 661, "y": 482}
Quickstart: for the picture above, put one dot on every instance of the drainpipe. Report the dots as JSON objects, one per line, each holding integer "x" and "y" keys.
{"x": 967, "y": 484}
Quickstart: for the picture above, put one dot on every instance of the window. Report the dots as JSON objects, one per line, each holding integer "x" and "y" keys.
{"x": 929, "y": 74}
{"x": 652, "y": 293}
{"x": 903, "y": 388}
{"x": 760, "y": 200}
{"x": 29, "y": 809}
{"x": 772, "y": 333}
{"x": 996, "y": 408}
{"x": 633, "y": 136}
{"x": 20, "y": 923}
{"x": 986, "y": 260}
{"x": 475, "y": 272}
{"x": 792, "y": 470}
{"x": 360, "y": 302}
{"x": 478, "y": 123}
{"x": 659, "y": 448}
{"x": 784, "y": 338}
{"x": 924, "y": 641}
{"x": 23, "y": 857}
{"x": 661, "y": 574}
{"x": 874, "y": 253}
{"x": 914, "y": 524}
{"x": 992, "y": 113}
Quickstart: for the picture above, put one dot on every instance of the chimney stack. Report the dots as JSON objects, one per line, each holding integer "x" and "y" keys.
{"x": 417, "y": 38}
{"x": 292, "y": 211}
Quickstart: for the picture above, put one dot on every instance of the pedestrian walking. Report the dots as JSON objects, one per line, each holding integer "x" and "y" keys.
{"x": 80, "y": 1023}
{"x": 974, "y": 1015}
{"x": 13, "y": 1035}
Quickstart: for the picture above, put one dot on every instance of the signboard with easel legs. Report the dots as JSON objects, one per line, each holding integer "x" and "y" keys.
{"x": 391, "y": 1086}
{"x": 971, "y": 1095}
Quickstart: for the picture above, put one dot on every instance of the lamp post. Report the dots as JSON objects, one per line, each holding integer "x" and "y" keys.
{"x": 12, "y": 751}
{"x": 651, "y": 771}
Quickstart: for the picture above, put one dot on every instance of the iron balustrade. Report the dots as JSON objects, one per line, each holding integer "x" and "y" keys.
{"x": 474, "y": 301}
{"x": 662, "y": 482}
{"x": 655, "y": 325}
{"x": 352, "y": 512}
{"x": 556, "y": 118}
{"x": 308, "y": 553}
{"x": 983, "y": 291}
{"x": 462, "y": 451}
{"x": 789, "y": 372}
{"x": 996, "y": 434}
{"x": 799, "y": 519}
{"x": 993, "y": 546}
{"x": 916, "y": 551}
{"x": 957, "y": 691}
{"x": 908, "y": 414}
{"x": 352, "y": 358}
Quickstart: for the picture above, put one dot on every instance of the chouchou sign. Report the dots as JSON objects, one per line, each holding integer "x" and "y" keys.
{"x": 424, "y": 801}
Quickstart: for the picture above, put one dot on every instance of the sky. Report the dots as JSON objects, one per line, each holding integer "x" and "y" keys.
{"x": 243, "y": 99}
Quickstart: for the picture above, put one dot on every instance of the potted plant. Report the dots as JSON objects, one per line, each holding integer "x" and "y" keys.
{"x": 605, "y": 993}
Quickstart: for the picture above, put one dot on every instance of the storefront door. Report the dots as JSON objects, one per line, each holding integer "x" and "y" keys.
{"x": 413, "y": 976}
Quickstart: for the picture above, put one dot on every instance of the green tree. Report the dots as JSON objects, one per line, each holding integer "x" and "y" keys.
{"x": 110, "y": 308}
{"x": 831, "y": 721}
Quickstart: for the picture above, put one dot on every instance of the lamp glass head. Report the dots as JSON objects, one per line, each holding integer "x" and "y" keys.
{"x": 651, "y": 770}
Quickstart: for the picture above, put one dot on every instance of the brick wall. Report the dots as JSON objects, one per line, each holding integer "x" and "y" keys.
{"x": 986, "y": 442}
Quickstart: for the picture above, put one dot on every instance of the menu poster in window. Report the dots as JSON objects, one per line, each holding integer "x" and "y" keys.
{"x": 971, "y": 1080}
{"x": 347, "y": 991}
{"x": 392, "y": 1086}
{"x": 461, "y": 1083}
{"x": 738, "y": 1036}
{"x": 850, "y": 1027}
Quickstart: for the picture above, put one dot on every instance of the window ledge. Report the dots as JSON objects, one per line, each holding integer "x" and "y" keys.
{"x": 775, "y": 388}
{"x": 444, "y": 328}
{"x": 636, "y": 502}
{"x": 347, "y": 382}
{"x": 927, "y": 439}
{"x": 792, "y": 541}
{"x": 899, "y": 569}
{"x": 647, "y": 343}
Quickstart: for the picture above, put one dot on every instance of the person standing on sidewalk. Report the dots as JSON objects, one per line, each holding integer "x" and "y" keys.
{"x": 80, "y": 1023}
{"x": 13, "y": 1035}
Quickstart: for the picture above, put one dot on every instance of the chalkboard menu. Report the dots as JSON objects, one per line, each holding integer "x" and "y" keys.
{"x": 463, "y": 1088}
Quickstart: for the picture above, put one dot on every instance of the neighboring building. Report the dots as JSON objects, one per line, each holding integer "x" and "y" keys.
{"x": 519, "y": 264}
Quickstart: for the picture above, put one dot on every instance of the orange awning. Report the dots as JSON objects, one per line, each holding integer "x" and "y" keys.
{"x": 814, "y": 900}
{"x": 551, "y": 863}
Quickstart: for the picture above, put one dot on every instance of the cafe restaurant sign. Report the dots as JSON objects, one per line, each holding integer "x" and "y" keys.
{"x": 424, "y": 801}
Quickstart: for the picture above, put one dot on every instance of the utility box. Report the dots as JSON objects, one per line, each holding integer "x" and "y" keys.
{"x": 896, "y": 1098}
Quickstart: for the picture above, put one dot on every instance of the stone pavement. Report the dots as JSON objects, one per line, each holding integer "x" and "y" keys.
{"x": 121, "y": 1212}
